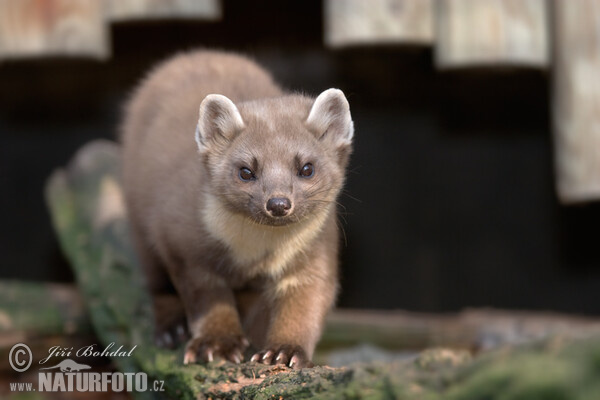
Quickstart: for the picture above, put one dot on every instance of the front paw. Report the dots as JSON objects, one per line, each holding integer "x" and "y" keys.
{"x": 290, "y": 355}
{"x": 207, "y": 348}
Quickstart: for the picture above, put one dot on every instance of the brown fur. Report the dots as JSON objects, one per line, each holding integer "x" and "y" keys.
{"x": 197, "y": 224}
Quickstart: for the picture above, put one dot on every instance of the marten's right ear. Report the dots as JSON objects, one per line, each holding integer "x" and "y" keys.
{"x": 219, "y": 121}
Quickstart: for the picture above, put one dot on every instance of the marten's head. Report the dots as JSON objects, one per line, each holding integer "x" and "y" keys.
{"x": 276, "y": 161}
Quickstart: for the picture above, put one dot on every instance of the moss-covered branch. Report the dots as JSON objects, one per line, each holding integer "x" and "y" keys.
{"x": 88, "y": 214}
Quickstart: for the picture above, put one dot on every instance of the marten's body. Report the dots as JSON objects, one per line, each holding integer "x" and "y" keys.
{"x": 241, "y": 220}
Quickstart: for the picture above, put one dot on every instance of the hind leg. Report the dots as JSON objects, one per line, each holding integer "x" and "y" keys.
{"x": 170, "y": 326}
{"x": 170, "y": 323}
{"x": 255, "y": 315}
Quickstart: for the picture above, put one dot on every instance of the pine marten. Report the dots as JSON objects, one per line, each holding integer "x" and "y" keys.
{"x": 231, "y": 187}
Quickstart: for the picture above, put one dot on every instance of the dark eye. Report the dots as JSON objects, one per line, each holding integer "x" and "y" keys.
{"x": 307, "y": 171}
{"x": 246, "y": 174}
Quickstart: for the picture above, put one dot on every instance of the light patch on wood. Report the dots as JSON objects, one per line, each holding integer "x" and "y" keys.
{"x": 33, "y": 28}
{"x": 360, "y": 22}
{"x": 576, "y": 100}
{"x": 267, "y": 249}
{"x": 111, "y": 205}
{"x": 484, "y": 32}
{"x": 123, "y": 10}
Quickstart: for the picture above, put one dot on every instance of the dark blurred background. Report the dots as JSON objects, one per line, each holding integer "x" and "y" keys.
{"x": 450, "y": 201}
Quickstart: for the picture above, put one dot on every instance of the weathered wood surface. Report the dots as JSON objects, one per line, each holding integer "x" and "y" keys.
{"x": 81, "y": 28}
{"x": 34, "y": 28}
{"x": 491, "y": 32}
{"x": 88, "y": 214}
{"x": 479, "y": 329}
{"x": 124, "y": 10}
{"x": 359, "y": 22}
{"x": 576, "y": 100}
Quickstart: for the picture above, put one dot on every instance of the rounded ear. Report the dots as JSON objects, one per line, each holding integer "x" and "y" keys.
{"x": 330, "y": 118}
{"x": 219, "y": 121}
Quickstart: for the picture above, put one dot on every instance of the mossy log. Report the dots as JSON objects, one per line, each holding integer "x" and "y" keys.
{"x": 88, "y": 214}
{"x": 39, "y": 311}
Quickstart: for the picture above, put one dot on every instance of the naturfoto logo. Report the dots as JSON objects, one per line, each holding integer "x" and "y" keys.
{"x": 69, "y": 366}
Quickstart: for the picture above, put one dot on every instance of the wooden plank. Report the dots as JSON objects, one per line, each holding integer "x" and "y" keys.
{"x": 359, "y": 22}
{"x": 123, "y": 10}
{"x": 576, "y": 100}
{"x": 34, "y": 28}
{"x": 487, "y": 32}
{"x": 481, "y": 329}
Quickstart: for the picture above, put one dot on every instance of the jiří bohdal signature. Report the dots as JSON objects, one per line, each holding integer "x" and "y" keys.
{"x": 86, "y": 351}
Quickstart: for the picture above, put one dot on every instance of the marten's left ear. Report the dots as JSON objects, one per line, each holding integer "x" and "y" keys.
{"x": 330, "y": 118}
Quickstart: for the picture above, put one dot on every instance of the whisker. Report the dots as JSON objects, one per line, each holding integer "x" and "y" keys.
{"x": 354, "y": 170}
{"x": 316, "y": 192}
{"x": 327, "y": 202}
{"x": 345, "y": 193}
{"x": 341, "y": 228}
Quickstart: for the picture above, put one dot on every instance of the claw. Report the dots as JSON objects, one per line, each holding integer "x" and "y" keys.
{"x": 288, "y": 355}
{"x": 282, "y": 358}
{"x": 167, "y": 339}
{"x": 189, "y": 357}
{"x": 267, "y": 357}
{"x": 180, "y": 331}
{"x": 293, "y": 360}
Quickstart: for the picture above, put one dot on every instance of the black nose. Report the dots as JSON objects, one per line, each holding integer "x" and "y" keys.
{"x": 279, "y": 206}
